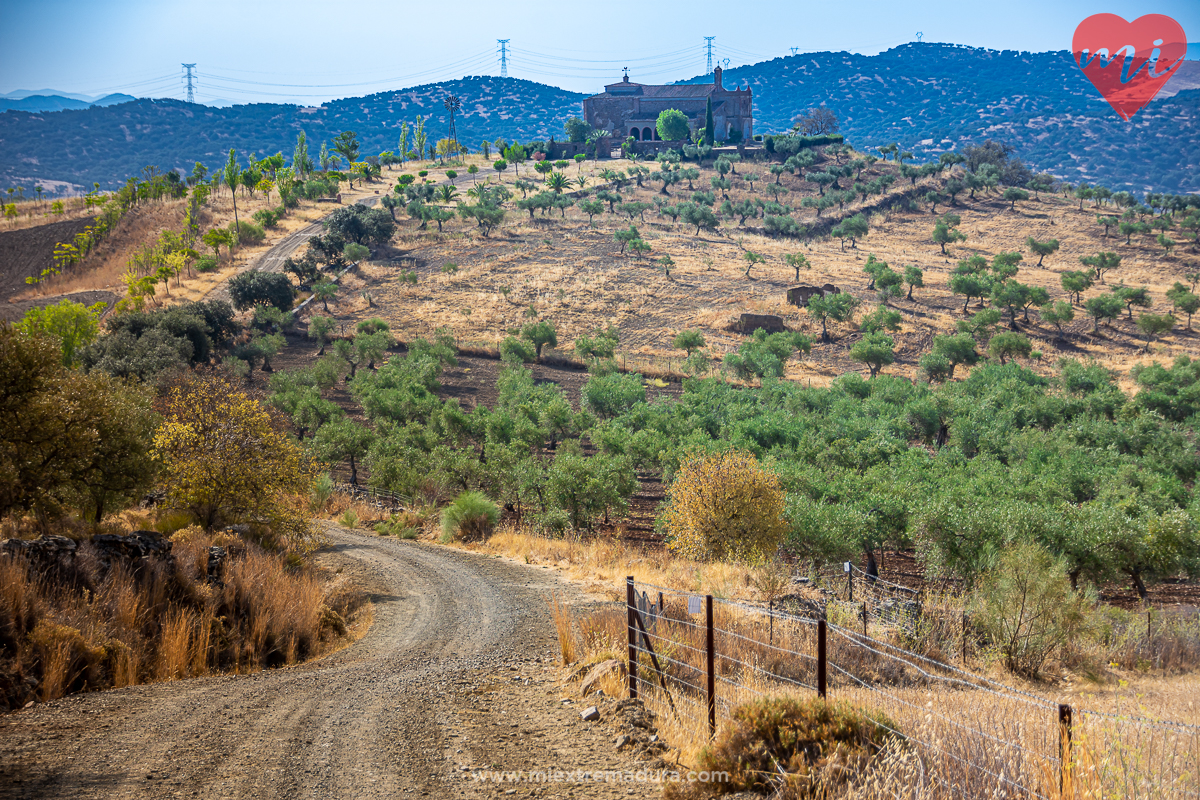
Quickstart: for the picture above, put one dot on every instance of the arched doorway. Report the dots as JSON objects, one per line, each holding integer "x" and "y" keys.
{"x": 635, "y": 133}
{"x": 647, "y": 134}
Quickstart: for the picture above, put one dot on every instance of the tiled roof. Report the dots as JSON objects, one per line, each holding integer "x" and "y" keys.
{"x": 679, "y": 90}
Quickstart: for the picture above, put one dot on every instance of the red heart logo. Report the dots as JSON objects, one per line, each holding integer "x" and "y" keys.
{"x": 1128, "y": 61}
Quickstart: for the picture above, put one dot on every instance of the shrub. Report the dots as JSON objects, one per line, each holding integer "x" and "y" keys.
{"x": 611, "y": 395}
{"x": 318, "y": 188}
{"x": 818, "y": 744}
{"x": 349, "y": 519}
{"x": 322, "y": 490}
{"x": 247, "y": 232}
{"x": 225, "y": 462}
{"x": 206, "y": 263}
{"x": 404, "y": 525}
{"x": 763, "y": 355}
{"x": 724, "y": 506}
{"x": 1027, "y": 608}
{"x": 471, "y": 516}
{"x": 253, "y": 287}
{"x": 268, "y": 217}
{"x": 514, "y": 349}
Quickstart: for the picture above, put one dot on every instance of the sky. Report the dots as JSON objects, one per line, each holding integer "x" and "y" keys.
{"x": 308, "y": 52}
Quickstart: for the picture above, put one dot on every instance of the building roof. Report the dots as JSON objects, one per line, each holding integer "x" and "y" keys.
{"x": 627, "y": 88}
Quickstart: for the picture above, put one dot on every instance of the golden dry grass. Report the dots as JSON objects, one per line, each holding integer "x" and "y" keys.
{"x": 1012, "y": 734}
{"x": 32, "y": 213}
{"x": 602, "y": 564}
{"x": 572, "y": 273}
{"x": 166, "y": 622}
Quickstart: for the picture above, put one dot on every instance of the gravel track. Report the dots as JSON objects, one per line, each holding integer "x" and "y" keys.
{"x": 455, "y": 665}
{"x": 272, "y": 260}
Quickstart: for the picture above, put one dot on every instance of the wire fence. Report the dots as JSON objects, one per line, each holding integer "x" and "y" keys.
{"x": 694, "y": 659}
{"x": 378, "y": 498}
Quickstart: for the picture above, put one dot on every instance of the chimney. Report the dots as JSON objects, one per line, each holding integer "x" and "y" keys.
{"x": 717, "y": 78}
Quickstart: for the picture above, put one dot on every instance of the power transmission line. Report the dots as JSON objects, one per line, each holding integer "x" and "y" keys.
{"x": 189, "y": 68}
{"x": 503, "y": 56}
{"x": 708, "y": 40}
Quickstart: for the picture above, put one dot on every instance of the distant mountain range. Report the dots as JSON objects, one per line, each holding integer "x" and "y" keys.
{"x": 928, "y": 97}
{"x": 934, "y": 97}
{"x": 47, "y": 100}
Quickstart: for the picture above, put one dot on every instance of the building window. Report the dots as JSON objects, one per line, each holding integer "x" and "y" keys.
{"x": 647, "y": 135}
{"x": 635, "y": 133}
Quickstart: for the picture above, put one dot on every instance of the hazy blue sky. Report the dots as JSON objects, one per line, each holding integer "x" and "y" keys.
{"x": 304, "y": 51}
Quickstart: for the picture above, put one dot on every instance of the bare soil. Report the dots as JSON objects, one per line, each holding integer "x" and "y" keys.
{"x": 457, "y": 674}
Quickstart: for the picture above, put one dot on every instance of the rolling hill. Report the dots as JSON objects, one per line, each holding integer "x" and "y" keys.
{"x": 935, "y": 97}
{"x": 928, "y": 97}
{"x": 55, "y": 102}
{"x": 108, "y": 144}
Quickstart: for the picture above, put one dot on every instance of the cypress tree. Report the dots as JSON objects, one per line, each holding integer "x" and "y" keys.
{"x": 708, "y": 124}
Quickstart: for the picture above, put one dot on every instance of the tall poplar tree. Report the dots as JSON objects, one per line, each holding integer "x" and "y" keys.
{"x": 403, "y": 145}
{"x": 232, "y": 177}
{"x": 301, "y": 163}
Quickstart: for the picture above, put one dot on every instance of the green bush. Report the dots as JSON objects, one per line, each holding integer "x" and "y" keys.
{"x": 471, "y": 516}
{"x": 611, "y": 395}
{"x": 514, "y": 349}
{"x": 254, "y": 286}
{"x": 317, "y": 188}
{"x": 206, "y": 263}
{"x": 247, "y": 232}
{"x": 817, "y": 744}
{"x": 787, "y": 145}
{"x": 268, "y": 217}
{"x": 764, "y": 354}
{"x": 322, "y": 489}
{"x": 398, "y": 525}
{"x": 1027, "y": 608}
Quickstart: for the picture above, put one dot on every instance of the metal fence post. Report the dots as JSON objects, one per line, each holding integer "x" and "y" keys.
{"x": 821, "y": 660}
{"x": 630, "y": 606}
{"x": 1065, "y": 786}
{"x": 864, "y": 617}
{"x": 712, "y": 667}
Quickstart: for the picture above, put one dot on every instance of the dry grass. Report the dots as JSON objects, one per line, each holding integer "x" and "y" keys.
{"x": 972, "y": 739}
{"x": 960, "y": 734}
{"x": 564, "y": 625}
{"x": 32, "y": 213}
{"x": 86, "y": 627}
{"x": 603, "y": 564}
{"x": 571, "y": 273}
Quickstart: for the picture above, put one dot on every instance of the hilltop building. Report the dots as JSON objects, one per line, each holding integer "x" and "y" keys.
{"x": 632, "y": 109}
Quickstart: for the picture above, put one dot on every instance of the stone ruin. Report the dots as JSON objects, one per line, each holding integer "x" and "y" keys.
{"x": 749, "y": 323}
{"x": 800, "y": 295}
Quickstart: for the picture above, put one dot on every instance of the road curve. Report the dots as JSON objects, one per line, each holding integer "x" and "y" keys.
{"x": 378, "y": 719}
{"x": 272, "y": 260}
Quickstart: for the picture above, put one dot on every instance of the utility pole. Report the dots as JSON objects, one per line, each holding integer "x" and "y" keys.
{"x": 794, "y": 49}
{"x": 708, "y": 40}
{"x": 920, "y": 36}
{"x": 503, "y": 57}
{"x": 189, "y": 68}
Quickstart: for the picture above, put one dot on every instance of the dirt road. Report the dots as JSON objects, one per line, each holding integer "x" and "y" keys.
{"x": 272, "y": 260}
{"x": 455, "y": 674}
